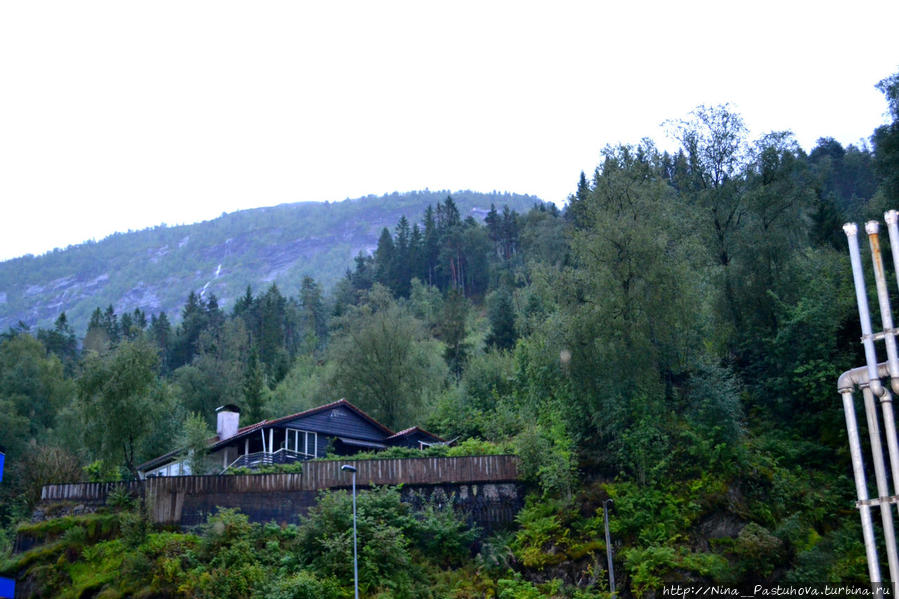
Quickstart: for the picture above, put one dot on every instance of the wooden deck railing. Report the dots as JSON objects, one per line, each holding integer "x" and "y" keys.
{"x": 315, "y": 476}
{"x": 262, "y": 458}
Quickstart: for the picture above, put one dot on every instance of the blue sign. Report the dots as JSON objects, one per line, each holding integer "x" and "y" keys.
{"x": 2, "y": 459}
{"x": 7, "y": 587}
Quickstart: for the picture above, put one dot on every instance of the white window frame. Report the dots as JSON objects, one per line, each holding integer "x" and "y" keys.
{"x": 293, "y": 441}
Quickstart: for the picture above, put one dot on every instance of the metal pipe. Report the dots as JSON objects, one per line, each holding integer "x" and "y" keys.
{"x": 605, "y": 513}
{"x": 889, "y": 423}
{"x": 352, "y": 469}
{"x": 861, "y": 487}
{"x": 872, "y": 228}
{"x": 892, "y": 219}
{"x": 864, "y": 315}
{"x": 858, "y": 377}
{"x": 883, "y": 492}
{"x": 355, "y": 550}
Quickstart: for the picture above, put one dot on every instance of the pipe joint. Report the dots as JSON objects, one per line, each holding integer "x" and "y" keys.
{"x": 876, "y": 387}
{"x": 858, "y": 377}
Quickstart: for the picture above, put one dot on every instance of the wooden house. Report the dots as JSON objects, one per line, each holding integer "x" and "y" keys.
{"x": 337, "y": 428}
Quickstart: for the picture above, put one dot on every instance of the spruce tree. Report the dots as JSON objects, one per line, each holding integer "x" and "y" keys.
{"x": 254, "y": 388}
{"x": 502, "y": 321}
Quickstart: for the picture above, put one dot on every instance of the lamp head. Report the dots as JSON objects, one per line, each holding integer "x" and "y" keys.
{"x": 348, "y": 468}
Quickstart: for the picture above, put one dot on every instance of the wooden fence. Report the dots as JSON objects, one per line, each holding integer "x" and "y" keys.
{"x": 315, "y": 476}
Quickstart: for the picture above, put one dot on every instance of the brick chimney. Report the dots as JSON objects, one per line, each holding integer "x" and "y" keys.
{"x": 228, "y": 421}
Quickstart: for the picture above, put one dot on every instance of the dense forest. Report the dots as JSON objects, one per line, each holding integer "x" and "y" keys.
{"x": 671, "y": 340}
{"x": 154, "y": 269}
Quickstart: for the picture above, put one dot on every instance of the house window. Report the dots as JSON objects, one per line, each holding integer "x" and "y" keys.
{"x": 171, "y": 469}
{"x": 304, "y": 442}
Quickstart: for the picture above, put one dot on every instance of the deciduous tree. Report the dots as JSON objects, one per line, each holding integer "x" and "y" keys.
{"x": 116, "y": 395}
{"x": 383, "y": 362}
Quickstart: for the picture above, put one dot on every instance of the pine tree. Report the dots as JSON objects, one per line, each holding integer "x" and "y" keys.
{"x": 416, "y": 255}
{"x": 401, "y": 271}
{"x": 452, "y": 331}
{"x": 385, "y": 256}
{"x": 127, "y": 327}
{"x": 61, "y": 341}
{"x": 161, "y": 334}
{"x": 97, "y": 337}
{"x": 111, "y": 324}
{"x": 244, "y": 303}
{"x": 431, "y": 247}
{"x": 494, "y": 230}
{"x": 509, "y": 233}
{"x": 502, "y": 321}
{"x": 254, "y": 388}
{"x": 312, "y": 311}
{"x": 576, "y": 212}
{"x": 193, "y": 322}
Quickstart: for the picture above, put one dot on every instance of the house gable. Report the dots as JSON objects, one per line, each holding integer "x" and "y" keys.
{"x": 414, "y": 437}
{"x": 337, "y": 421}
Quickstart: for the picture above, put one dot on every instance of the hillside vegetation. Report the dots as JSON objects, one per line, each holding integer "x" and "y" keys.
{"x": 670, "y": 341}
{"x": 155, "y": 269}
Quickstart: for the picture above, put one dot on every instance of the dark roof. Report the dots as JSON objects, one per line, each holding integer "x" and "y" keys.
{"x": 414, "y": 429}
{"x": 361, "y": 443}
{"x": 150, "y": 464}
{"x": 246, "y": 430}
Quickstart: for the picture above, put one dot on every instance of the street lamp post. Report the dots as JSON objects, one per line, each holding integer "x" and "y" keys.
{"x": 348, "y": 468}
{"x": 605, "y": 513}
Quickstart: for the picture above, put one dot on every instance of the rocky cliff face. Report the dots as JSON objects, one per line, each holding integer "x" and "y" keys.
{"x": 155, "y": 269}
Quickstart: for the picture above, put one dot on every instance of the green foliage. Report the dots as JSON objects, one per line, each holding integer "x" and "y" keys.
{"x": 392, "y": 540}
{"x": 194, "y": 439}
{"x": 467, "y": 447}
{"x": 651, "y": 567}
{"x": 516, "y": 588}
{"x": 886, "y": 139}
{"x": 120, "y": 498}
{"x": 292, "y": 468}
{"x": 303, "y": 585}
{"x": 502, "y": 320}
{"x": 547, "y": 458}
{"x": 551, "y": 533}
{"x": 99, "y": 471}
{"x": 117, "y": 402}
{"x": 33, "y": 389}
{"x": 670, "y": 341}
{"x": 383, "y": 360}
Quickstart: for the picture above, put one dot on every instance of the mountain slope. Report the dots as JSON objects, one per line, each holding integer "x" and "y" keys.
{"x": 155, "y": 269}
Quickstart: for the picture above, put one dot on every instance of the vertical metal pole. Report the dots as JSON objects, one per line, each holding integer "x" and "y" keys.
{"x": 864, "y": 315}
{"x": 886, "y": 400}
{"x": 891, "y": 217}
{"x": 861, "y": 487}
{"x": 883, "y": 299}
{"x": 355, "y": 553}
{"x": 605, "y": 513}
{"x": 886, "y": 512}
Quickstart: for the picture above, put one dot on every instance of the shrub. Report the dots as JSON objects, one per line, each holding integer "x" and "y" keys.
{"x": 303, "y": 585}
{"x": 120, "y": 498}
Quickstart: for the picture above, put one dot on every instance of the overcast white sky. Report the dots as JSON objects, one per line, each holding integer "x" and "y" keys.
{"x": 121, "y": 115}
